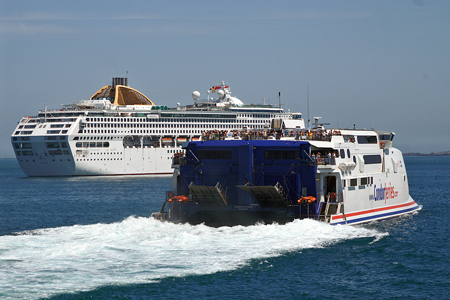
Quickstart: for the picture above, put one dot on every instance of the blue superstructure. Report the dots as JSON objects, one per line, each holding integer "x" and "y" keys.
{"x": 244, "y": 181}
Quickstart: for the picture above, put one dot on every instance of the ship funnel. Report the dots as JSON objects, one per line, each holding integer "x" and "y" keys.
{"x": 119, "y": 81}
{"x": 316, "y": 121}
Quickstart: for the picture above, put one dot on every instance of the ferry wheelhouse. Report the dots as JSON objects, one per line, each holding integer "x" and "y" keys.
{"x": 335, "y": 176}
{"x": 120, "y": 131}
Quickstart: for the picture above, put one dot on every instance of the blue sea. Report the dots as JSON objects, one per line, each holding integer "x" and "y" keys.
{"x": 93, "y": 238}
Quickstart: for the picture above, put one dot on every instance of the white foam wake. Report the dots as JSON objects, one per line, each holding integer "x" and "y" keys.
{"x": 45, "y": 262}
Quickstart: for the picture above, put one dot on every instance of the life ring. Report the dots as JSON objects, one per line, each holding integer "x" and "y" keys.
{"x": 333, "y": 196}
{"x": 170, "y": 195}
{"x": 307, "y": 200}
{"x": 181, "y": 198}
{"x": 382, "y": 144}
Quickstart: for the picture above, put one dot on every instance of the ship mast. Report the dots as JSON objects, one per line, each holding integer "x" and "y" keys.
{"x": 307, "y": 103}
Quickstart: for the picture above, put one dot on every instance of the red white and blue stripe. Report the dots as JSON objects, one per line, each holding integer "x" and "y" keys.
{"x": 374, "y": 214}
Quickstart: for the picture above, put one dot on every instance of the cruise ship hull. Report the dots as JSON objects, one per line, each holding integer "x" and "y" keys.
{"x": 132, "y": 161}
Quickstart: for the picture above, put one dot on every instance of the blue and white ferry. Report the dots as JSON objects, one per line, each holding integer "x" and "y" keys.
{"x": 338, "y": 176}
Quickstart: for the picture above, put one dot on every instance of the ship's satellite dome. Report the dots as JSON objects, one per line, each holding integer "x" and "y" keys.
{"x": 195, "y": 95}
{"x": 220, "y": 93}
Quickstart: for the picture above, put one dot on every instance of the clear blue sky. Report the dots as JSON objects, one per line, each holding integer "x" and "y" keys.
{"x": 376, "y": 64}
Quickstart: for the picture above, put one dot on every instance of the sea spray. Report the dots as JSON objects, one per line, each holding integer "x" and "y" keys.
{"x": 44, "y": 262}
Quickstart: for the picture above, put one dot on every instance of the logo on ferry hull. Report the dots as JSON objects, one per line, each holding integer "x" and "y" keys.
{"x": 383, "y": 193}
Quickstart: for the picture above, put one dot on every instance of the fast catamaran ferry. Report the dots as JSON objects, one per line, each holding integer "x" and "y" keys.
{"x": 119, "y": 131}
{"x": 338, "y": 176}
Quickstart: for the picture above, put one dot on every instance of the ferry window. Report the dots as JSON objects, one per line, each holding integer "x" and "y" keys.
{"x": 364, "y": 181}
{"x": 354, "y": 182}
{"x": 372, "y": 159}
{"x": 367, "y": 139}
{"x": 214, "y": 154}
{"x": 78, "y": 144}
{"x": 342, "y": 152}
{"x": 348, "y": 153}
{"x": 287, "y": 154}
{"x": 349, "y": 138}
{"x": 64, "y": 144}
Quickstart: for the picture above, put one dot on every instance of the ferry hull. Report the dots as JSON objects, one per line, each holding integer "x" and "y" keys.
{"x": 376, "y": 214}
{"x": 217, "y": 218}
{"x": 230, "y": 217}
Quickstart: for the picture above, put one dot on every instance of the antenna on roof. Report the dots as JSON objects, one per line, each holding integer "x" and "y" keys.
{"x": 279, "y": 100}
{"x": 307, "y": 103}
{"x": 307, "y": 98}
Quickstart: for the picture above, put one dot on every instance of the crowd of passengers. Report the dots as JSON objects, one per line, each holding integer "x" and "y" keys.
{"x": 317, "y": 135}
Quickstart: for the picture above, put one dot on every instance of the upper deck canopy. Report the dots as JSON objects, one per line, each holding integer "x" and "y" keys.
{"x": 122, "y": 95}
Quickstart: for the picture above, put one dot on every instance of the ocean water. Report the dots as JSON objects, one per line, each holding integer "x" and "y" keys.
{"x": 93, "y": 238}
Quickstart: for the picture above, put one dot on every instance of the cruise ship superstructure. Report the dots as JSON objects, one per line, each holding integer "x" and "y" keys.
{"x": 120, "y": 131}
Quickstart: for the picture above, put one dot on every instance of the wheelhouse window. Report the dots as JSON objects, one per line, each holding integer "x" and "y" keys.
{"x": 386, "y": 137}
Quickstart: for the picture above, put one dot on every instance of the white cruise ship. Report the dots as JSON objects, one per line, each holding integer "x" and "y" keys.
{"x": 119, "y": 131}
